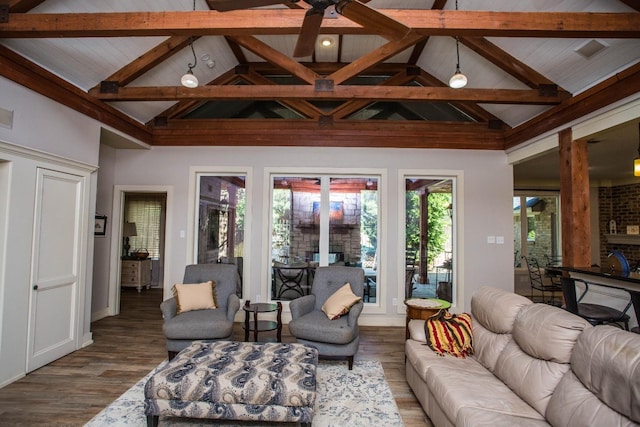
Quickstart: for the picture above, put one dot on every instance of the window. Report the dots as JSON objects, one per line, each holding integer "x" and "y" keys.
{"x": 147, "y": 212}
{"x": 220, "y": 219}
{"x": 429, "y": 234}
{"x": 537, "y": 231}
{"x": 320, "y": 220}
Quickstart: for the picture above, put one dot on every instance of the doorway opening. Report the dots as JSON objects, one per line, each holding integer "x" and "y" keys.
{"x": 140, "y": 243}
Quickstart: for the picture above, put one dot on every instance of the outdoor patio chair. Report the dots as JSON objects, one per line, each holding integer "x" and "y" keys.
{"x": 548, "y": 286}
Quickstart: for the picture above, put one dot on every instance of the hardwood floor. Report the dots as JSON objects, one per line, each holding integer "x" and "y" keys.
{"x": 73, "y": 389}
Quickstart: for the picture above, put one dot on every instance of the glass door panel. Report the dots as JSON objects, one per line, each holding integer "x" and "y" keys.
{"x": 221, "y": 210}
{"x": 429, "y": 232}
{"x": 295, "y": 235}
{"x": 353, "y": 227}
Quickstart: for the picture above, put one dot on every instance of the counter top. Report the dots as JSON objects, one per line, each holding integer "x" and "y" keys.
{"x": 601, "y": 272}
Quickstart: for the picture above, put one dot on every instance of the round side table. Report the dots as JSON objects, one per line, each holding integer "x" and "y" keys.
{"x": 422, "y": 309}
{"x": 262, "y": 325}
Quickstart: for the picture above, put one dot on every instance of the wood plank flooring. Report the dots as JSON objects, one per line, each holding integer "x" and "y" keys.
{"x": 73, "y": 389}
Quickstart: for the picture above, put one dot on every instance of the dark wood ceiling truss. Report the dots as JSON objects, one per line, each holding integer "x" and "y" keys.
{"x": 331, "y": 128}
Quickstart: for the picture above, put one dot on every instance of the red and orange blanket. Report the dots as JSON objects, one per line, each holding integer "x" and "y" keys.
{"x": 449, "y": 333}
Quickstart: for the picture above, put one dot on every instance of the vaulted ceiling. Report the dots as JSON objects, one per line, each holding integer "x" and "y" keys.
{"x": 532, "y": 66}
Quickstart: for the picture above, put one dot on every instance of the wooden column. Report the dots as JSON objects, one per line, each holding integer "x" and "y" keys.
{"x": 574, "y": 201}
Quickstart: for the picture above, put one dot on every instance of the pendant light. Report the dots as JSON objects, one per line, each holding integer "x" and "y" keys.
{"x": 636, "y": 161}
{"x": 458, "y": 80}
{"x": 188, "y": 79}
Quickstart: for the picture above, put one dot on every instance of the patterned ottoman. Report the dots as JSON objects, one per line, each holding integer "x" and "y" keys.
{"x": 273, "y": 382}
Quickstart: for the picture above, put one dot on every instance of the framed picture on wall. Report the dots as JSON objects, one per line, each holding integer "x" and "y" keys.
{"x": 100, "y": 227}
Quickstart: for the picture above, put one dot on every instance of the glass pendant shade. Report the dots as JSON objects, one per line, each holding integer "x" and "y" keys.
{"x": 189, "y": 80}
{"x": 458, "y": 80}
{"x": 636, "y": 166}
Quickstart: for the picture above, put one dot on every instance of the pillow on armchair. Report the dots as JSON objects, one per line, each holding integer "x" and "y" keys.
{"x": 199, "y": 296}
{"x": 340, "y": 302}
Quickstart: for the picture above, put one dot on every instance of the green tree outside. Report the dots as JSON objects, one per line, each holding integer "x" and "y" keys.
{"x": 437, "y": 222}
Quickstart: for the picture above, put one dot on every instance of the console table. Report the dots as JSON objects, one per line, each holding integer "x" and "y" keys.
{"x": 262, "y": 325}
{"x": 136, "y": 273}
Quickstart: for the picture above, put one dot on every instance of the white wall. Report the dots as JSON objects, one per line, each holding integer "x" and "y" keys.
{"x": 485, "y": 207}
{"x": 102, "y": 245}
{"x": 45, "y": 125}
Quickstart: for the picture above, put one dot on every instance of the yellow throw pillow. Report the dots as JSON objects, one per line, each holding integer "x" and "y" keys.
{"x": 197, "y": 296}
{"x": 340, "y": 302}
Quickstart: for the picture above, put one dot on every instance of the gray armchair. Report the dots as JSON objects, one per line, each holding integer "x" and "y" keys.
{"x": 181, "y": 329}
{"x": 309, "y": 325}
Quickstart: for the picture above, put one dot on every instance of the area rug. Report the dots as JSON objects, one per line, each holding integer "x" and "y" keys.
{"x": 360, "y": 397}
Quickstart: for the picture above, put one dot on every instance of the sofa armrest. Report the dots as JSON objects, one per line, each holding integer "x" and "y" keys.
{"x": 169, "y": 308}
{"x": 354, "y": 313}
{"x": 233, "y": 305}
{"x": 301, "y": 306}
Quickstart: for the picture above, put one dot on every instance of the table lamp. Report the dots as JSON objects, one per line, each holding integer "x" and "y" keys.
{"x": 128, "y": 230}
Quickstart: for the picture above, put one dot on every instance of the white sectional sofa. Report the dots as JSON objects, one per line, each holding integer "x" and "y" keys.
{"x": 534, "y": 365}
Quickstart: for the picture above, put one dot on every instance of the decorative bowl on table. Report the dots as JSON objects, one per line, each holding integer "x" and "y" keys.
{"x": 141, "y": 254}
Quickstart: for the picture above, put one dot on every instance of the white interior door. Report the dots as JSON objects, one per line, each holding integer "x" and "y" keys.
{"x": 53, "y": 321}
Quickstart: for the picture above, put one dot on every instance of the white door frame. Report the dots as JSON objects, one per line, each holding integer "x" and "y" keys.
{"x": 119, "y": 192}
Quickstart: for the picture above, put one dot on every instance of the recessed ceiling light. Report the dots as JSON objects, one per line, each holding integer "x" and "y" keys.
{"x": 326, "y": 42}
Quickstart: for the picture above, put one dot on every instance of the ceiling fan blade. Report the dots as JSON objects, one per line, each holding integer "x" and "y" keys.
{"x": 227, "y": 5}
{"x": 371, "y": 19}
{"x": 309, "y": 33}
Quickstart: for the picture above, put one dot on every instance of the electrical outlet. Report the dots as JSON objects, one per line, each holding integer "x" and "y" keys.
{"x": 394, "y": 301}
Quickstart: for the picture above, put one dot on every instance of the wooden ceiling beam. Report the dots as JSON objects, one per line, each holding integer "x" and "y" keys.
{"x": 288, "y": 21}
{"x": 277, "y": 58}
{"x": 21, "y": 6}
{"x": 351, "y": 107}
{"x": 148, "y": 60}
{"x": 620, "y": 86}
{"x": 634, "y": 4}
{"x": 340, "y": 92}
{"x": 326, "y": 68}
{"x": 372, "y": 58}
{"x": 372, "y": 134}
{"x": 302, "y": 107}
{"x": 419, "y": 47}
{"x": 30, "y": 75}
{"x": 472, "y": 110}
{"x": 183, "y": 107}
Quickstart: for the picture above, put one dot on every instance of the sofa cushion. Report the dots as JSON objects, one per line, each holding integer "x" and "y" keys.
{"x": 496, "y": 309}
{"x": 493, "y": 313}
{"x": 603, "y": 386}
{"x": 316, "y": 326}
{"x": 537, "y": 357}
{"x": 471, "y": 416}
{"x": 460, "y": 383}
{"x": 198, "y": 324}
